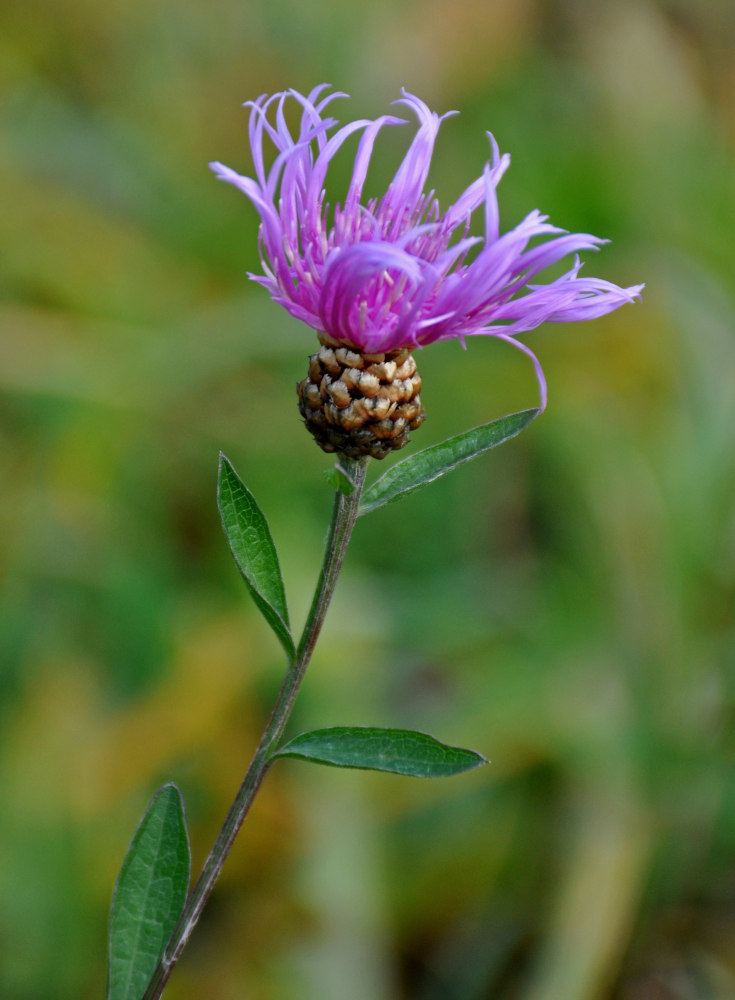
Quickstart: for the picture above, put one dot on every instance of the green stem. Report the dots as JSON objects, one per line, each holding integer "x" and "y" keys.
{"x": 344, "y": 515}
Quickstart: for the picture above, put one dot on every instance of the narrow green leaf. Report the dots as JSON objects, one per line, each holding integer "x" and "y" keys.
{"x": 340, "y": 480}
{"x": 417, "y": 470}
{"x": 149, "y": 895}
{"x": 252, "y": 546}
{"x": 400, "y": 751}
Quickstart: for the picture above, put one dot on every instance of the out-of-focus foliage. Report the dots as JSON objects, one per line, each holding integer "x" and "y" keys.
{"x": 564, "y": 605}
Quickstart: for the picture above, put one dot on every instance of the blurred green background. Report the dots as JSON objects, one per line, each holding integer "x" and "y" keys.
{"x": 564, "y": 605}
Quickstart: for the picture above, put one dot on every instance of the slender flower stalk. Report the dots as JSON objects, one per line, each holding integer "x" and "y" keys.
{"x": 344, "y": 515}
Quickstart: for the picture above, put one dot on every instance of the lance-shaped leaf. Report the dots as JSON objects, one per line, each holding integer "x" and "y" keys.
{"x": 149, "y": 895}
{"x": 252, "y": 546}
{"x": 417, "y": 470}
{"x": 399, "y": 751}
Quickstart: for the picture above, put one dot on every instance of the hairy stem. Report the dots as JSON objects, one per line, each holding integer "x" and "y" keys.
{"x": 344, "y": 515}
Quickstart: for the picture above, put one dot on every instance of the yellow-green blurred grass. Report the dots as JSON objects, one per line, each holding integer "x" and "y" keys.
{"x": 564, "y": 605}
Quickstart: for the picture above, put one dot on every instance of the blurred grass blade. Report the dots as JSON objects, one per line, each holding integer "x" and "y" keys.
{"x": 399, "y": 751}
{"x": 416, "y": 471}
{"x": 149, "y": 895}
{"x": 252, "y": 546}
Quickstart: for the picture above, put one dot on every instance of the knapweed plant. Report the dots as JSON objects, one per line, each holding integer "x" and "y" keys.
{"x": 375, "y": 279}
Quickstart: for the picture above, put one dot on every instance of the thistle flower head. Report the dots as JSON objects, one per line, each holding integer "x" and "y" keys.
{"x": 392, "y": 273}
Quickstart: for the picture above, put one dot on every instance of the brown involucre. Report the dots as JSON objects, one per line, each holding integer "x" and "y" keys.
{"x": 360, "y": 404}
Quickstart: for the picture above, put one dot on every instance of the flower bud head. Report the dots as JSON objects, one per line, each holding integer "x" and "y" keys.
{"x": 360, "y": 404}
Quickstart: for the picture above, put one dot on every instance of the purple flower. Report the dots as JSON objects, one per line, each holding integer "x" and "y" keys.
{"x": 387, "y": 273}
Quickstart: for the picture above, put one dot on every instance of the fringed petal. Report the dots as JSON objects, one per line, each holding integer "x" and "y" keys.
{"x": 388, "y": 273}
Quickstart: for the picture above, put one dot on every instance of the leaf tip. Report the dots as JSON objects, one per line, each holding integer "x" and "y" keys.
{"x": 340, "y": 479}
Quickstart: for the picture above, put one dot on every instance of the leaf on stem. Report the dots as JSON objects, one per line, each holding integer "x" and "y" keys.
{"x": 399, "y": 751}
{"x": 417, "y": 470}
{"x": 149, "y": 895}
{"x": 340, "y": 479}
{"x": 252, "y": 546}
